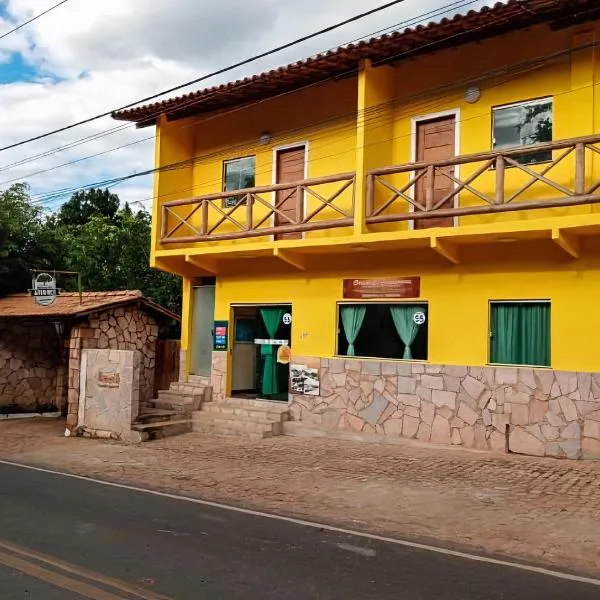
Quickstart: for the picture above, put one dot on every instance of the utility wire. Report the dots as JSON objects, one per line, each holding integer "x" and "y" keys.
{"x": 456, "y": 5}
{"x": 25, "y": 23}
{"x": 209, "y": 75}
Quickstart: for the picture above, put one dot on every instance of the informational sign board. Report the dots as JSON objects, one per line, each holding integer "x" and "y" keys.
{"x": 399, "y": 287}
{"x": 44, "y": 290}
{"x": 221, "y": 335}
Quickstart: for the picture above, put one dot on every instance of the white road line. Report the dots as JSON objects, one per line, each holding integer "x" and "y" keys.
{"x": 357, "y": 550}
{"x": 324, "y": 527}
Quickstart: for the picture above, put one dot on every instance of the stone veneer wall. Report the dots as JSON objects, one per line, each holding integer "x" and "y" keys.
{"x": 218, "y": 376}
{"x": 29, "y": 366}
{"x": 548, "y": 413}
{"x": 117, "y": 329}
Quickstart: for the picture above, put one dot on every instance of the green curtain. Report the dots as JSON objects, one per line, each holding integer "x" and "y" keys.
{"x": 352, "y": 319}
{"x": 521, "y": 334}
{"x": 271, "y": 317}
{"x": 403, "y": 317}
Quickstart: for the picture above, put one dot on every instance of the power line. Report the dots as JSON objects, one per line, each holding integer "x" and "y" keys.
{"x": 533, "y": 63}
{"x": 182, "y": 164}
{"x": 456, "y": 5}
{"x": 526, "y": 66}
{"x": 25, "y": 23}
{"x": 209, "y": 75}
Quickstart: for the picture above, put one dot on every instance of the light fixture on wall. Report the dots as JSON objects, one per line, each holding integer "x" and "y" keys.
{"x": 265, "y": 138}
{"x": 472, "y": 94}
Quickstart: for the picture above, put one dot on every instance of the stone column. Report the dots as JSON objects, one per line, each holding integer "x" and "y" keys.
{"x": 73, "y": 382}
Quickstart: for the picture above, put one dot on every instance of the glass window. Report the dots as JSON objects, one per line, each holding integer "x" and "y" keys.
{"x": 523, "y": 124}
{"x": 520, "y": 333}
{"x": 238, "y": 174}
{"x": 372, "y": 330}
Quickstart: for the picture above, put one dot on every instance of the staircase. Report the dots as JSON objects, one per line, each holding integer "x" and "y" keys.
{"x": 240, "y": 417}
{"x": 171, "y": 413}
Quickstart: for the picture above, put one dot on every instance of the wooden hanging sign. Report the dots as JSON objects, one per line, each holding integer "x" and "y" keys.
{"x": 398, "y": 287}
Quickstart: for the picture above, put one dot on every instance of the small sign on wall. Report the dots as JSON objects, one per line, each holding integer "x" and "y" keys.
{"x": 398, "y": 287}
{"x": 108, "y": 379}
{"x": 221, "y": 335}
{"x": 304, "y": 380}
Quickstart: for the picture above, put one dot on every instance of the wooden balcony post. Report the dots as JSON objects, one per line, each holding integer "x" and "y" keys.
{"x": 429, "y": 191}
{"x": 580, "y": 168}
{"x": 370, "y": 194}
{"x": 499, "y": 180}
{"x": 204, "y": 217}
{"x": 300, "y": 204}
{"x": 249, "y": 207}
{"x": 164, "y": 222}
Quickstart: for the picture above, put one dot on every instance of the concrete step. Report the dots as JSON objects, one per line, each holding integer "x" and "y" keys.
{"x": 162, "y": 429}
{"x": 255, "y": 403}
{"x": 151, "y": 415}
{"x": 234, "y": 425}
{"x": 266, "y": 413}
{"x": 180, "y": 398}
{"x": 179, "y": 387}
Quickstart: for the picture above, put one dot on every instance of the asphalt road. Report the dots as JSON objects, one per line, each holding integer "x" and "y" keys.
{"x": 63, "y": 538}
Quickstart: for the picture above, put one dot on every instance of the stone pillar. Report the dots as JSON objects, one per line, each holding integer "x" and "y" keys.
{"x": 218, "y": 376}
{"x": 182, "y": 365}
{"x": 73, "y": 382}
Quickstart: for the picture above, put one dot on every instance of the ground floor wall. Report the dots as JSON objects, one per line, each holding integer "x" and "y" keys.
{"x": 30, "y": 367}
{"x": 540, "y": 412}
{"x": 454, "y": 396}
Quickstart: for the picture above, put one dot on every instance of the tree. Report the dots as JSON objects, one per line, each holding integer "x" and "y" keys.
{"x": 109, "y": 246}
{"x": 86, "y": 204}
{"x": 20, "y": 250}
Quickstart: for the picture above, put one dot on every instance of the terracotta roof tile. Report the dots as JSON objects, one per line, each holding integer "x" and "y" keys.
{"x": 68, "y": 305}
{"x": 474, "y": 25}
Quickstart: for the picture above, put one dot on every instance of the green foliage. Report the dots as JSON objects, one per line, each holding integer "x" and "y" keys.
{"x": 90, "y": 234}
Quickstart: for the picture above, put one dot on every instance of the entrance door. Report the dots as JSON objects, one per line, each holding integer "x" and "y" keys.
{"x": 202, "y": 330}
{"x": 289, "y": 168}
{"x": 435, "y": 141}
{"x": 261, "y": 352}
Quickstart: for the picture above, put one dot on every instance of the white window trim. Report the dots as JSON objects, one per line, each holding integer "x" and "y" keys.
{"x": 228, "y": 161}
{"x": 455, "y": 112}
{"x": 513, "y": 301}
{"x": 276, "y": 149}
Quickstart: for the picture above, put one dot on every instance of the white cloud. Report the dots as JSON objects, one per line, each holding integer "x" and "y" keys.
{"x": 94, "y": 56}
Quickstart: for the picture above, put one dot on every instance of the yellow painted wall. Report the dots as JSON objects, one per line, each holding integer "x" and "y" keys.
{"x": 323, "y": 117}
{"x": 436, "y": 84}
{"x": 458, "y": 300}
{"x": 366, "y": 122}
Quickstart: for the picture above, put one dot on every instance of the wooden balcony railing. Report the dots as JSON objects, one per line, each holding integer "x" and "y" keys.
{"x": 261, "y": 211}
{"x": 431, "y": 190}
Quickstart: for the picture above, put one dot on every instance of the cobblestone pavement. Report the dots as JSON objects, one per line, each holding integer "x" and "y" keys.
{"x": 543, "y": 510}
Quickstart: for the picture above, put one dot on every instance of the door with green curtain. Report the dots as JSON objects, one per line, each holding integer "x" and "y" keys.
{"x": 274, "y": 331}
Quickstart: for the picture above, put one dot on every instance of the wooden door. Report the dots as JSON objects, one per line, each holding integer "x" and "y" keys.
{"x": 166, "y": 363}
{"x": 435, "y": 141}
{"x": 290, "y": 168}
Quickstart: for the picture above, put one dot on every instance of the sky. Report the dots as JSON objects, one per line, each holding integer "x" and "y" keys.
{"x": 86, "y": 58}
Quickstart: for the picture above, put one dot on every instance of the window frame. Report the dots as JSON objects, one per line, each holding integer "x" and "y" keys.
{"x": 227, "y": 161}
{"x": 341, "y": 303}
{"x": 531, "y": 101}
{"x": 490, "y": 332}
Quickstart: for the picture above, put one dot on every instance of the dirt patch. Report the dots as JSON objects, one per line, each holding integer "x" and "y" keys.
{"x": 544, "y": 510}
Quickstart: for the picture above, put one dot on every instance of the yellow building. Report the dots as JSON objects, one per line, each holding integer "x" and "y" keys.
{"x": 415, "y": 218}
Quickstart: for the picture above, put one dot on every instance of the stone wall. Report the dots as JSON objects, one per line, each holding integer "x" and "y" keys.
{"x": 29, "y": 365}
{"x": 117, "y": 329}
{"x": 218, "y": 376}
{"x": 543, "y": 412}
